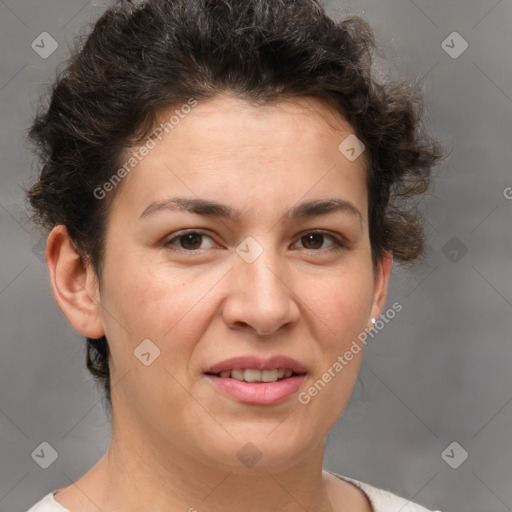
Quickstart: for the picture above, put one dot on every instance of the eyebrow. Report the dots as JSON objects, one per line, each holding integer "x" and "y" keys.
{"x": 214, "y": 209}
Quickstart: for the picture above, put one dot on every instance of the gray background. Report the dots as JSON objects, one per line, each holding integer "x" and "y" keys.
{"x": 438, "y": 373}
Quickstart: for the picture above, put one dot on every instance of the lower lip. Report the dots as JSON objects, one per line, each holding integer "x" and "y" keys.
{"x": 258, "y": 393}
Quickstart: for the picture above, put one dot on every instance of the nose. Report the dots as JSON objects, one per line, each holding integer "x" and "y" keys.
{"x": 259, "y": 296}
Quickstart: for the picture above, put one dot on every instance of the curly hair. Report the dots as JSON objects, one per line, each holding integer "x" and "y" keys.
{"x": 140, "y": 59}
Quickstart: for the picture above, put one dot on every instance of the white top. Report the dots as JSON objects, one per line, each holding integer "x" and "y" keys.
{"x": 380, "y": 499}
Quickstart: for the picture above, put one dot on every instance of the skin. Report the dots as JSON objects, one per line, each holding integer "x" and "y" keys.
{"x": 175, "y": 438}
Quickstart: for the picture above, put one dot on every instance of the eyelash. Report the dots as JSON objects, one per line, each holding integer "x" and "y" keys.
{"x": 338, "y": 245}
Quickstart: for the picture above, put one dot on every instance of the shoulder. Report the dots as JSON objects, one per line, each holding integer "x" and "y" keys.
{"x": 47, "y": 504}
{"x": 383, "y": 500}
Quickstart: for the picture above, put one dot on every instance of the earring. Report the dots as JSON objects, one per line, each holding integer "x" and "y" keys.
{"x": 373, "y": 321}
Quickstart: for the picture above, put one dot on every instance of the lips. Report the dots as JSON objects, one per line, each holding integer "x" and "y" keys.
{"x": 257, "y": 363}
{"x": 257, "y": 381}
{"x": 254, "y": 375}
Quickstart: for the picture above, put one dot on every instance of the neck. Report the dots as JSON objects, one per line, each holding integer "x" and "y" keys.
{"x": 132, "y": 474}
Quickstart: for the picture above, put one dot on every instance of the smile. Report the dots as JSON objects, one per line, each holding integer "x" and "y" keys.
{"x": 255, "y": 375}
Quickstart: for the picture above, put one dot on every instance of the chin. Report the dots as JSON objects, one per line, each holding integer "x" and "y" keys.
{"x": 256, "y": 449}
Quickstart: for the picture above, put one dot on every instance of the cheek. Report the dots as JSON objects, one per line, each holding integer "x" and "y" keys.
{"x": 340, "y": 308}
{"x": 158, "y": 306}
{"x": 166, "y": 305}
{"x": 342, "y": 302}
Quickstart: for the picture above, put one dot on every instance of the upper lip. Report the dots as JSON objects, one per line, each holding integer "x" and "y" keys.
{"x": 257, "y": 363}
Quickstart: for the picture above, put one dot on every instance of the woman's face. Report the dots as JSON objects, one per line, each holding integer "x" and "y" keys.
{"x": 257, "y": 285}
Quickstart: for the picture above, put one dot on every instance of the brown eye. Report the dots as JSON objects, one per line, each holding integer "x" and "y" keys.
{"x": 189, "y": 241}
{"x": 315, "y": 240}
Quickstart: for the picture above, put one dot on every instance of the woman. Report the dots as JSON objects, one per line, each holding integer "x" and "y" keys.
{"x": 225, "y": 185}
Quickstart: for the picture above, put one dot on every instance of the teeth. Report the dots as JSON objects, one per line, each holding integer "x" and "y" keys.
{"x": 269, "y": 375}
{"x": 253, "y": 375}
{"x": 237, "y": 374}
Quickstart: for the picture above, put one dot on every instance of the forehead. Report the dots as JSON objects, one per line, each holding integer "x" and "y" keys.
{"x": 298, "y": 118}
{"x": 286, "y": 127}
{"x": 229, "y": 148}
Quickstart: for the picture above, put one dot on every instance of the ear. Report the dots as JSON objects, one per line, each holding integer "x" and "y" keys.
{"x": 74, "y": 284}
{"x": 380, "y": 290}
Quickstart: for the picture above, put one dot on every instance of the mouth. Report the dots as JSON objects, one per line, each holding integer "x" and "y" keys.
{"x": 257, "y": 381}
{"x": 253, "y": 375}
